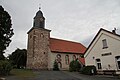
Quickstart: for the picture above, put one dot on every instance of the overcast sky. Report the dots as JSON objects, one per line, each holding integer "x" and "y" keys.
{"x": 74, "y": 20}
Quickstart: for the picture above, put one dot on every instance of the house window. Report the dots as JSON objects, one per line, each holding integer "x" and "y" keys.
{"x": 98, "y": 61}
{"x": 67, "y": 59}
{"x": 118, "y": 64}
{"x": 118, "y": 61}
{"x": 104, "y": 41}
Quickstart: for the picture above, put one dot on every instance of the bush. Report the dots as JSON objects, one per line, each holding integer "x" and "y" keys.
{"x": 88, "y": 70}
{"x": 5, "y": 67}
{"x": 55, "y": 66}
{"x": 74, "y": 66}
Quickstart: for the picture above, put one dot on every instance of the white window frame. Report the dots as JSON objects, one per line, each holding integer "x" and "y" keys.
{"x": 104, "y": 41}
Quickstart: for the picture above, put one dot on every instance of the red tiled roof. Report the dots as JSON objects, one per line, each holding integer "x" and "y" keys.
{"x": 58, "y": 45}
{"x": 82, "y": 60}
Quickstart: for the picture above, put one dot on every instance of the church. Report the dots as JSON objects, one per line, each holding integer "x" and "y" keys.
{"x": 43, "y": 51}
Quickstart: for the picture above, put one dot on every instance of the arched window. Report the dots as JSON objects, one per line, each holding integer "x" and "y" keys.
{"x": 74, "y": 57}
{"x": 67, "y": 59}
{"x": 58, "y": 58}
{"x": 59, "y": 65}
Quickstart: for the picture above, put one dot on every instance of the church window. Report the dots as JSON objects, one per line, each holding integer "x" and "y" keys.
{"x": 74, "y": 57}
{"x": 59, "y": 65}
{"x": 104, "y": 41}
{"x": 58, "y": 58}
{"x": 67, "y": 59}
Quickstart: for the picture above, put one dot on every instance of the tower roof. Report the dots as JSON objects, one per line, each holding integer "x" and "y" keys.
{"x": 39, "y": 14}
{"x": 39, "y": 20}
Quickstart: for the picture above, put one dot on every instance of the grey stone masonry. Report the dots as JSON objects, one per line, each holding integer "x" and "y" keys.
{"x": 37, "y": 49}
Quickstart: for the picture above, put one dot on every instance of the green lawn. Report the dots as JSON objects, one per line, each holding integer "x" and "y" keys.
{"x": 22, "y": 73}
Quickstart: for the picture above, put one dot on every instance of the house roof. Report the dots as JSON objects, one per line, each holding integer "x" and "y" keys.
{"x": 58, "y": 45}
{"x": 101, "y": 29}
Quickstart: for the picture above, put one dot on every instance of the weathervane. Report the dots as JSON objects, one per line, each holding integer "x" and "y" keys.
{"x": 39, "y": 6}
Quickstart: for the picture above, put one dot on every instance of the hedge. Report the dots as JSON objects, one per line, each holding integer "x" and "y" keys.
{"x": 74, "y": 66}
{"x": 5, "y": 67}
{"x": 88, "y": 70}
{"x": 55, "y": 66}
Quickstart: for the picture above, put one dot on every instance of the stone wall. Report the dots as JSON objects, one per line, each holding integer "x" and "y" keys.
{"x": 37, "y": 52}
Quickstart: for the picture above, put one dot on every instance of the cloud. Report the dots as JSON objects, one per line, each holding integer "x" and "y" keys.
{"x": 76, "y": 20}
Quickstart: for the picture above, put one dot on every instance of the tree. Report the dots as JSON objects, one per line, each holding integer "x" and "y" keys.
{"x": 74, "y": 65}
{"x": 6, "y": 31}
{"x": 19, "y": 57}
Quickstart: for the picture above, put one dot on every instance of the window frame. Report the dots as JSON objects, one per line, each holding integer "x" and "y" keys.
{"x": 67, "y": 59}
{"x": 98, "y": 63}
{"x": 104, "y": 42}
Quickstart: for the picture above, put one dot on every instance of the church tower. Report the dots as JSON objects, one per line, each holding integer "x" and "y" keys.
{"x": 38, "y": 43}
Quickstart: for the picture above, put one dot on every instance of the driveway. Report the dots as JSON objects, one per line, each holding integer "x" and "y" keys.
{"x": 63, "y": 75}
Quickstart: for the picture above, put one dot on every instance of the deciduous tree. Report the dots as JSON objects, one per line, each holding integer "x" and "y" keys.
{"x": 19, "y": 57}
{"x": 6, "y": 31}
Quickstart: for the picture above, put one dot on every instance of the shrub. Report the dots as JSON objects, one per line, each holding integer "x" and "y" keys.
{"x": 55, "y": 66}
{"x": 88, "y": 70}
{"x": 74, "y": 66}
{"x": 5, "y": 67}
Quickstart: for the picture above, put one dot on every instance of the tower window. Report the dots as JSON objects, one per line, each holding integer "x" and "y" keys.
{"x": 104, "y": 41}
{"x": 44, "y": 52}
{"x": 41, "y": 35}
{"x": 30, "y": 36}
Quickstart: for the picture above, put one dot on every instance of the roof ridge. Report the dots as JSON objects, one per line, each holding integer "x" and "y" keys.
{"x": 101, "y": 29}
{"x": 110, "y": 32}
{"x": 66, "y": 40}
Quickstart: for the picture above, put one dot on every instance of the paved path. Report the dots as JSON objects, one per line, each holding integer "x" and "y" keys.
{"x": 55, "y": 75}
{"x": 88, "y": 77}
{"x": 63, "y": 75}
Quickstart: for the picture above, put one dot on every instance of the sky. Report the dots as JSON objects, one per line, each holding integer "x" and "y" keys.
{"x": 74, "y": 20}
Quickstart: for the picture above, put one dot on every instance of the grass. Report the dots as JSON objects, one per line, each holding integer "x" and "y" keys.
{"x": 22, "y": 73}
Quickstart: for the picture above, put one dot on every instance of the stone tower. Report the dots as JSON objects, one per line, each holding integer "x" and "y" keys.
{"x": 38, "y": 44}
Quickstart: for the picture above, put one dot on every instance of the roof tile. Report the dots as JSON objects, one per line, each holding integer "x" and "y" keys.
{"x": 58, "y": 45}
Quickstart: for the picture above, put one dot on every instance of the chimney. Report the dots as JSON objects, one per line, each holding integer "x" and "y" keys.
{"x": 114, "y": 31}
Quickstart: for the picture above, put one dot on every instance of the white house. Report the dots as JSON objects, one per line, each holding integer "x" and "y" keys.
{"x": 104, "y": 52}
